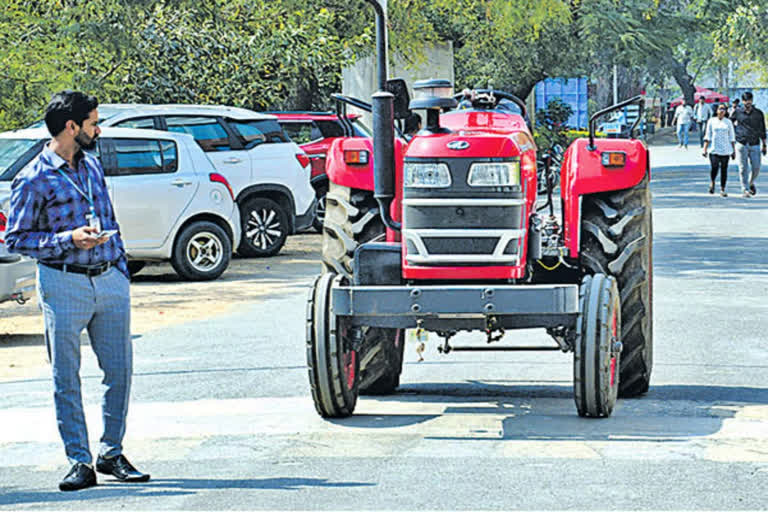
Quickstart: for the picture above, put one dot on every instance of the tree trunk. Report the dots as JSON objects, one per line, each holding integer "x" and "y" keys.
{"x": 683, "y": 78}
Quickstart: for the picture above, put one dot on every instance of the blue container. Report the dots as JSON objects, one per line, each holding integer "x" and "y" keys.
{"x": 572, "y": 91}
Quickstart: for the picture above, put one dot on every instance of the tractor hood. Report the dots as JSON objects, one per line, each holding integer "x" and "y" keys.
{"x": 475, "y": 133}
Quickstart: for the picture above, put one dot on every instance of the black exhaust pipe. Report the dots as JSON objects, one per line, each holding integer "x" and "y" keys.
{"x": 383, "y": 126}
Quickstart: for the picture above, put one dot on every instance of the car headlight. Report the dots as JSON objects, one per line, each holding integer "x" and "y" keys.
{"x": 427, "y": 175}
{"x": 494, "y": 174}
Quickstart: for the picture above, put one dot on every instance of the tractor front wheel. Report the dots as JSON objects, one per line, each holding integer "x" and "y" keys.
{"x": 331, "y": 359}
{"x": 597, "y": 347}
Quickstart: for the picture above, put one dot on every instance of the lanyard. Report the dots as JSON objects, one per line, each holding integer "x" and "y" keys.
{"x": 89, "y": 196}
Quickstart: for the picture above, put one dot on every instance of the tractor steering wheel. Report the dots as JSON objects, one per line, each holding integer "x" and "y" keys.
{"x": 498, "y": 95}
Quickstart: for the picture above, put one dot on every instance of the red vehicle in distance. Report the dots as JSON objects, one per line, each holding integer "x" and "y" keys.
{"x": 314, "y": 132}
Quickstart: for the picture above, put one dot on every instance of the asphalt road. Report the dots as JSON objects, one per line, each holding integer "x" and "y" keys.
{"x": 221, "y": 414}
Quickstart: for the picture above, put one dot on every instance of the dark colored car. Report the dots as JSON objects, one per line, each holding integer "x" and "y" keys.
{"x": 314, "y": 132}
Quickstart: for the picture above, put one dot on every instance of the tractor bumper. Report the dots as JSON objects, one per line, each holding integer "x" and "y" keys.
{"x": 464, "y": 307}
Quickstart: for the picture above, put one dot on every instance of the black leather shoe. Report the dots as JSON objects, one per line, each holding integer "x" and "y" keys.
{"x": 120, "y": 468}
{"x": 80, "y": 476}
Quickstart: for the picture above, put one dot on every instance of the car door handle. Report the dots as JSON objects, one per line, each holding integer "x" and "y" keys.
{"x": 180, "y": 182}
{"x": 232, "y": 160}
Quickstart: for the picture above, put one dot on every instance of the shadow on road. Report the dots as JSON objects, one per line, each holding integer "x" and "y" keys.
{"x": 689, "y": 255}
{"x": 167, "y": 488}
{"x": 670, "y": 413}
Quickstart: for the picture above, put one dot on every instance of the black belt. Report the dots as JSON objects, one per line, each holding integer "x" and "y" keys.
{"x": 90, "y": 270}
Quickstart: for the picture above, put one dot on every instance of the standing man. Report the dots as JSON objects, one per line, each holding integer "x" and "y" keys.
{"x": 682, "y": 119}
{"x": 59, "y": 207}
{"x": 701, "y": 113}
{"x": 735, "y": 107}
{"x": 749, "y": 123}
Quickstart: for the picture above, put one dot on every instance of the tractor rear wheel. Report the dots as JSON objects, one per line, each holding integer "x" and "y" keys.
{"x": 597, "y": 347}
{"x": 616, "y": 240}
{"x": 331, "y": 359}
{"x": 352, "y": 218}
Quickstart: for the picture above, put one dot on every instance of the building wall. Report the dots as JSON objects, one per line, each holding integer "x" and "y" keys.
{"x": 359, "y": 80}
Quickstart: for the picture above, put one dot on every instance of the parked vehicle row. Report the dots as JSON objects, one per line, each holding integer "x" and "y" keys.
{"x": 314, "y": 132}
{"x": 170, "y": 201}
{"x": 190, "y": 184}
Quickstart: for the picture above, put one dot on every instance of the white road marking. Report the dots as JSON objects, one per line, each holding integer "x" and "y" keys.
{"x": 406, "y": 426}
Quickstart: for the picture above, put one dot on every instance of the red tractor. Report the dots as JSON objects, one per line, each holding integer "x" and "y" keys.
{"x": 444, "y": 234}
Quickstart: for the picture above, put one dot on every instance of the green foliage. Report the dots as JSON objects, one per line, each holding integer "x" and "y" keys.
{"x": 281, "y": 54}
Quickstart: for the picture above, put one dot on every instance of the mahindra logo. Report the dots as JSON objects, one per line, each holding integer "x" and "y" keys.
{"x": 458, "y": 145}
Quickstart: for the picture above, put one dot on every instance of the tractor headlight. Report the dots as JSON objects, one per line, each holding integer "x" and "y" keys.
{"x": 424, "y": 175}
{"x": 494, "y": 174}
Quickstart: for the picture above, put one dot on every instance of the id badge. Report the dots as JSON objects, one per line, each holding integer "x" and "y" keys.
{"x": 93, "y": 222}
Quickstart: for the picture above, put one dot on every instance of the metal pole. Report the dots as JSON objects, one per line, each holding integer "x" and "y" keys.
{"x": 615, "y": 84}
{"x": 380, "y": 6}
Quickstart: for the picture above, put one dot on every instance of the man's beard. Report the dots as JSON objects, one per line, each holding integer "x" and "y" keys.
{"x": 84, "y": 142}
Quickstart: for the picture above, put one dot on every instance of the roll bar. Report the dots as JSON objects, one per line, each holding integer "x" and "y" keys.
{"x": 637, "y": 99}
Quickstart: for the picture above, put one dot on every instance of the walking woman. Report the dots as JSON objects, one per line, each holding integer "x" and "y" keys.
{"x": 721, "y": 137}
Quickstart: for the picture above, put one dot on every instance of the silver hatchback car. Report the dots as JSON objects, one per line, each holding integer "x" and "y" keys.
{"x": 17, "y": 272}
{"x": 170, "y": 201}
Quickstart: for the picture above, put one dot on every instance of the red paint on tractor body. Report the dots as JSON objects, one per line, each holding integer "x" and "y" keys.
{"x": 582, "y": 173}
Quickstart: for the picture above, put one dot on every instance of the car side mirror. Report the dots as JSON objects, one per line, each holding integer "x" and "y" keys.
{"x": 399, "y": 89}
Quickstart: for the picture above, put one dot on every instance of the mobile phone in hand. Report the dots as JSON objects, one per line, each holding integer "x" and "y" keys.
{"x": 106, "y": 233}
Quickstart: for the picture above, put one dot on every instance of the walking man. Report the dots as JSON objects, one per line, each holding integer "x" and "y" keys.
{"x": 749, "y": 123}
{"x": 701, "y": 113}
{"x": 59, "y": 207}
{"x": 682, "y": 119}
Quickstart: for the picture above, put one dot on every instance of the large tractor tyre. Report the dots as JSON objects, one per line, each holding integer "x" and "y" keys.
{"x": 381, "y": 375}
{"x": 265, "y": 225}
{"x": 597, "y": 347}
{"x": 616, "y": 240}
{"x": 352, "y": 218}
{"x": 331, "y": 360}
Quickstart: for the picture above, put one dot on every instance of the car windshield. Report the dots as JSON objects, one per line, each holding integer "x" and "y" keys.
{"x": 11, "y": 150}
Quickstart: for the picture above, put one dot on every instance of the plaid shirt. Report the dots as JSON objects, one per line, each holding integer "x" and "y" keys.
{"x": 46, "y": 208}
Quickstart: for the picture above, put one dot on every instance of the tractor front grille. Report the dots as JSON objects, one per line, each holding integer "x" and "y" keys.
{"x": 463, "y": 238}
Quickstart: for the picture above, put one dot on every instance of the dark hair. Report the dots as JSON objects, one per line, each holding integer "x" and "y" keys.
{"x": 736, "y": 100}
{"x": 68, "y": 106}
{"x": 747, "y": 96}
{"x": 412, "y": 123}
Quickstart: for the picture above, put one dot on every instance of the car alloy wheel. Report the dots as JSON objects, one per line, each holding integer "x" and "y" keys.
{"x": 204, "y": 251}
{"x": 264, "y": 228}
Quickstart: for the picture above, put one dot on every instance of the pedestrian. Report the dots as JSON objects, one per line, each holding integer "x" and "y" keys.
{"x": 734, "y": 107}
{"x": 59, "y": 206}
{"x": 721, "y": 137}
{"x": 749, "y": 123}
{"x": 701, "y": 113}
{"x": 682, "y": 119}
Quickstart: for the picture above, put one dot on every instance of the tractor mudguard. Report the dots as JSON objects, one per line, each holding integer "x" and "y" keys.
{"x": 583, "y": 173}
{"x": 360, "y": 176}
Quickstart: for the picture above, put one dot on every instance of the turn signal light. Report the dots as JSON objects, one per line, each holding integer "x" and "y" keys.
{"x": 614, "y": 159}
{"x": 218, "y": 178}
{"x": 3, "y": 224}
{"x": 356, "y": 157}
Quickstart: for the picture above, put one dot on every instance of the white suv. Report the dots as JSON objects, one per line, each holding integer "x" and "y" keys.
{"x": 268, "y": 173}
{"x": 170, "y": 201}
